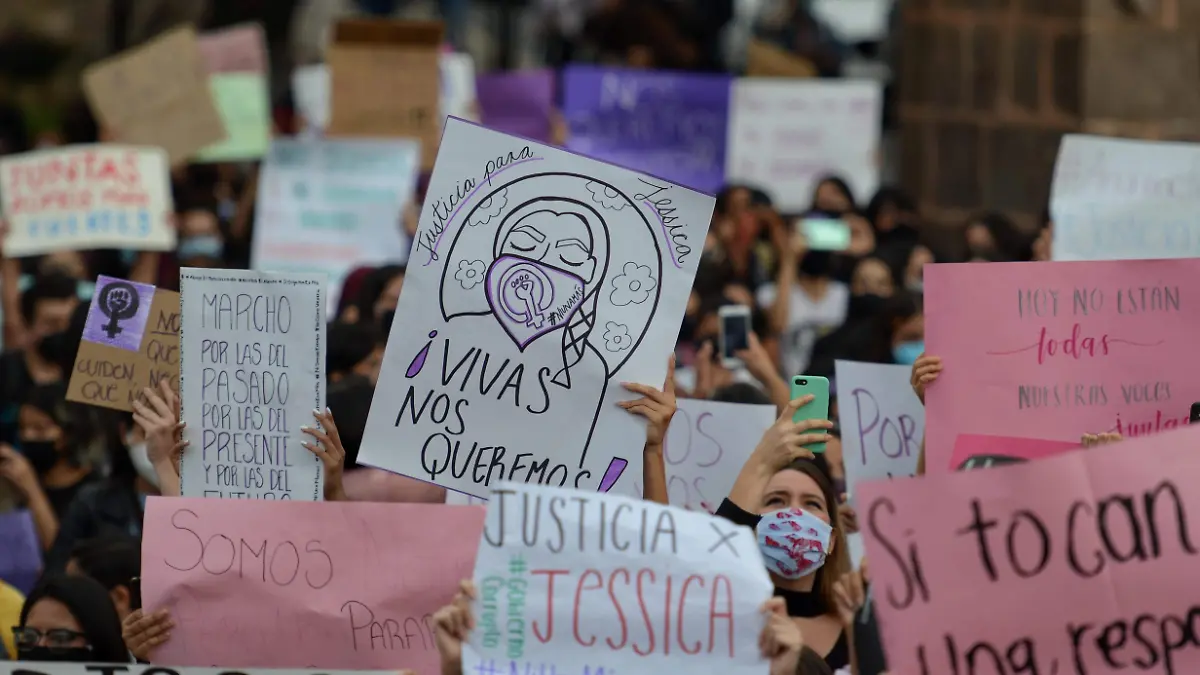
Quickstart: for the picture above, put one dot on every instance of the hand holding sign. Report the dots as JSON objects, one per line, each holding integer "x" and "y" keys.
{"x": 158, "y": 417}
{"x": 144, "y": 632}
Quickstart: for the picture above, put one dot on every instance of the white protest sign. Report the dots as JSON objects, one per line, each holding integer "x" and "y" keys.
{"x": 785, "y": 135}
{"x": 87, "y": 196}
{"x": 458, "y": 86}
{"x": 330, "y": 206}
{"x": 251, "y": 373}
{"x": 539, "y": 281}
{"x": 44, "y": 668}
{"x": 882, "y": 420}
{"x": 1116, "y": 199}
{"x": 705, "y": 448}
{"x": 574, "y": 582}
{"x": 310, "y": 88}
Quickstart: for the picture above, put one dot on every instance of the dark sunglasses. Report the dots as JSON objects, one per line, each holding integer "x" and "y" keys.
{"x": 56, "y": 638}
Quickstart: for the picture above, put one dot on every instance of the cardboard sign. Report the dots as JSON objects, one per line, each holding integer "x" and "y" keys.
{"x": 1074, "y": 564}
{"x": 883, "y": 421}
{"x": 21, "y": 555}
{"x": 785, "y": 135}
{"x": 130, "y": 342}
{"x": 252, "y": 371}
{"x": 706, "y": 445}
{"x": 571, "y": 582}
{"x": 85, "y": 197}
{"x": 1058, "y": 350}
{"x": 539, "y": 281}
{"x": 331, "y": 205}
{"x": 297, "y": 584}
{"x": 671, "y": 125}
{"x": 764, "y": 59}
{"x": 368, "y": 57}
{"x": 40, "y": 668}
{"x": 1116, "y": 199}
{"x": 157, "y": 94}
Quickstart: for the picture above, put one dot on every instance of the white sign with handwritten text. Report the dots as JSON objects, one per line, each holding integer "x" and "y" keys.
{"x": 882, "y": 420}
{"x": 540, "y": 280}
{"x": 1117, "y": 199}
{"x": 251, "y": 373}
{"x": 574, "y": 583}
{"x": 785, "y": 135}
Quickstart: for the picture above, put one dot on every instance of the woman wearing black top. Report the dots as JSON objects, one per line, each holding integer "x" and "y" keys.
{"x": 788, "y": 499}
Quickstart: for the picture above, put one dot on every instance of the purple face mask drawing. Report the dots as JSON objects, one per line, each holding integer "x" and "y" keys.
{"x": 531, "y": 299}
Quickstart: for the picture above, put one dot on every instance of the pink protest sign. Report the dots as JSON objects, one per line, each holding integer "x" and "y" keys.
{"x": 289, "y": 584}
{"x": 967, "y": 446}
{"x": 1057, "y": 350}
{"x": 1080, "y": 563}
{"x": 238, "y": 49}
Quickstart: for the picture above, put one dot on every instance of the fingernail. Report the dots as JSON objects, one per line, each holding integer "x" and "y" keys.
{"x": 316, "y": 412}
{"x": 305, "y": 428}
{"x": 328, "y": 411}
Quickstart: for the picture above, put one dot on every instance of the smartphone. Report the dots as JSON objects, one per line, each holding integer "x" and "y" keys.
{"x": 868, "y": 646}
{"x": 1195, "y": 416}
{"x": 802, "y": 385}
{"x": 825, "y": 234}
{"x": 988, "y": 461}
{"x": 135, "y": 593}
{"x": 734, "y": 333}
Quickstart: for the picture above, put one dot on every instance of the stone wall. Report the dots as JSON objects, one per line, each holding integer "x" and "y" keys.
{"x": 987, "y": 88}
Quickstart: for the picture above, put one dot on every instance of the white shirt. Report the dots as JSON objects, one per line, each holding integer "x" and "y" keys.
{"x": 808, "y": 320}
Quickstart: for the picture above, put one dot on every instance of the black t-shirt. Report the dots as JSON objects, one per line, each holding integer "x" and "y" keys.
{"x": 61, "y": 498}
{"x": 15, "y": 383}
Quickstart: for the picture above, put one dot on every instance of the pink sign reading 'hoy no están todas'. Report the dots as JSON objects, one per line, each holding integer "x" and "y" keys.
{"x": 1057, "y": 350}
{"x": 1080, "y": 563}
{"x": 291, "y": 584}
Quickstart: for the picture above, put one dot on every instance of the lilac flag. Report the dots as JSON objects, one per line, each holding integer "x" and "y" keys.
{"x": 670, "y": 125}
{"x": 518, "y": 102}
{"x": 21, "y": 554}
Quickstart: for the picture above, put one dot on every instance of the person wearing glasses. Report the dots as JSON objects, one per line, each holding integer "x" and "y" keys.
{"x": 72, "y": 620}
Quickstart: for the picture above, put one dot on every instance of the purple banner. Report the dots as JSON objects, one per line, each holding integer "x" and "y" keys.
{"x": 668, "y": 125}
{"x": 517, "y": 103}
{"x": 21, "y": 554}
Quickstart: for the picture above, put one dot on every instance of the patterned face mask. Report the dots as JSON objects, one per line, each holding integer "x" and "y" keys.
{"x": 794, "y": 543}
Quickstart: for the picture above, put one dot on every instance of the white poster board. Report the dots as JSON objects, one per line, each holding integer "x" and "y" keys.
{"x": 458, "y": 86}
{"x": 45, "y": 668}
{"x": 573, "y": 583}
{"x": 706, "y": 446}
{"x": 332, "y": 205}
{"x": 87, "y": 196}
{"x": 882, "y": 420}
{"x": 1115, "y": 199}
{"x": 310, "y": 89}
{"x": 251, "y": 373}
{"x": 540, "y": 280}
{"x": 785, "y": 135}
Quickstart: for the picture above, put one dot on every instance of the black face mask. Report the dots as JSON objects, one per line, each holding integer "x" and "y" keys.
{"x": 867, "y": 304}
{"x": 816, "y": 264}
{"x": 53, "y": 347}
{"x": 56, "y": 654}
{"x": 42, "y": 455}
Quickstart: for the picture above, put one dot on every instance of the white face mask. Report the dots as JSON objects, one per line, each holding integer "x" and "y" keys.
{"x": 141, "y": 461}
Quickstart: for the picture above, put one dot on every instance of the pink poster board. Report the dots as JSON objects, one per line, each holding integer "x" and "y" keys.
{"x": 237, "y": 49}
{"x": 1063, "y": 563}
{"x": 973, "y": 445}
{"x": 340, "y": 585}
{"x": 1059, "y": 349}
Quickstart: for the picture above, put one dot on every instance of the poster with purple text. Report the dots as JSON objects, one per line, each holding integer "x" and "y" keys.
{"x": 538, "y": 283}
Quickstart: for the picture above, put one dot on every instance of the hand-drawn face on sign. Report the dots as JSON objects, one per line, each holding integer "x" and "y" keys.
{"x": 530, "y": 289}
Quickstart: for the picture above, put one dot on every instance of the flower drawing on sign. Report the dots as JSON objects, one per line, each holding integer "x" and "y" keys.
{"x": 489, "y": 208}
{"x": 606, "y": 196}
{"x": 633, "y": 286}
{"x": 470, "y": 273}
{"x": 616, "y": 337}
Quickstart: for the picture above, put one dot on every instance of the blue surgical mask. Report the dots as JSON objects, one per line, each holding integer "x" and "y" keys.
{"x": 205, "y": 246}
{"x": 907, "y": 353}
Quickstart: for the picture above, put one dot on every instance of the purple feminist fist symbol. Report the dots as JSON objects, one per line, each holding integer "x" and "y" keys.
{"x": 524, "y": 296}
{"x": 119, "y": 302}
{"x": 530, "y": 298}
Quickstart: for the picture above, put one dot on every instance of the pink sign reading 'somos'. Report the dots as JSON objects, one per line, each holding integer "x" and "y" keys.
{"x": 1057, "y": 350}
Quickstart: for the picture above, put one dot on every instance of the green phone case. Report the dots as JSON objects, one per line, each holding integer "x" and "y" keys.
{"x": 818, "y": 409}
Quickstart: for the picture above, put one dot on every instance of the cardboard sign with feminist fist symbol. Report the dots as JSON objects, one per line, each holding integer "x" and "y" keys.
{"x": 119, "y": 313}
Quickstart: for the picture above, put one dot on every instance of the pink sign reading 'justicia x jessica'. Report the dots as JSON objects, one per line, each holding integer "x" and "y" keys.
{"x": 1057, "y": 350}
{"x": 287, "y": 584}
